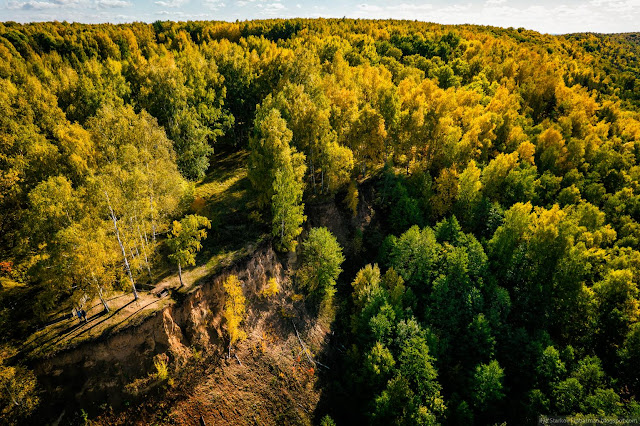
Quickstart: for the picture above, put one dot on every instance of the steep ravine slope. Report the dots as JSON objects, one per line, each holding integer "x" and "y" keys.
{"x": 271, "y": 375}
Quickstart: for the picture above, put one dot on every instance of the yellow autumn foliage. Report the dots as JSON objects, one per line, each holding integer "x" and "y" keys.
{"x": 234, "y": 309}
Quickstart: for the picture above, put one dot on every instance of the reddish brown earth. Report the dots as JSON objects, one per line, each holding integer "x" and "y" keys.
{"x": 114, "y": 379}
{"x": 273, "y": 386}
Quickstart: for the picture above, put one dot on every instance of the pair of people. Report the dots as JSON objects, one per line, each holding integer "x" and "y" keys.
{"x": 81, "y": 314}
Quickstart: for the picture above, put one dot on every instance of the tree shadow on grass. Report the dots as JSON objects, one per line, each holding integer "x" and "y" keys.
{"x": 46, "y": 338}
{"x": 47, "y": 345}
{"x": 114, "y": 326}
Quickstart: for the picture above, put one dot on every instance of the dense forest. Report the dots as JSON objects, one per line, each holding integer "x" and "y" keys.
{"x": 497, "y": 280}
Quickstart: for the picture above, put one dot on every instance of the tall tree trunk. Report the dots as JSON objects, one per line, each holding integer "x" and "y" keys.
{"x": 104, "y": 302}
{"x": 146, "y": 237}
{"x": 144, "y": 251}
{"x": 180, "y": 274}
{"x": 132, "y": 256}
{"x": 124, "y": 253}
{"x": 13, "y": 398}
{"x": 153, "y": 220}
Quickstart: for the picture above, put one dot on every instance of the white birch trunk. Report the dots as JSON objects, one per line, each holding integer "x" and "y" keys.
{"x": 180, "y": 274}
{"x": 124, "y": 253}
{"x": 144, "y": 251}
{"x": 104, "y": 302}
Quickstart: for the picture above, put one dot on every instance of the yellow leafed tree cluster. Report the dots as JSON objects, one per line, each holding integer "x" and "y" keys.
{"x": 234, "y": 309}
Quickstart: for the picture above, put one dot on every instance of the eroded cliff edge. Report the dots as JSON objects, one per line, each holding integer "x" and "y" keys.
{"x": 101, "y": 374}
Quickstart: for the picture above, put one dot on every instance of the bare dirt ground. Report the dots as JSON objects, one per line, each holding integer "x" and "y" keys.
{"x": 273, "y": 381}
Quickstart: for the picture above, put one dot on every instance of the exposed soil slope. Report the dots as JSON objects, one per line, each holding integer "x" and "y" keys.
{"x": 275, "y": 382}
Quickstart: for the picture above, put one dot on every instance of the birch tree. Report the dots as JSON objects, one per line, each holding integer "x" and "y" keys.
{"x": 18, "y": 396}
{"x": 137, "y": 183}
{"x": 234, "y": 310}
{"x": 271, "y": 137}
{"x": 287, "y": 209}
{"x": 185, "y": 240}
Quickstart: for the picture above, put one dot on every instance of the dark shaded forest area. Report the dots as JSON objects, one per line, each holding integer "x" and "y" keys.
{"x": 498, "y": 278}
